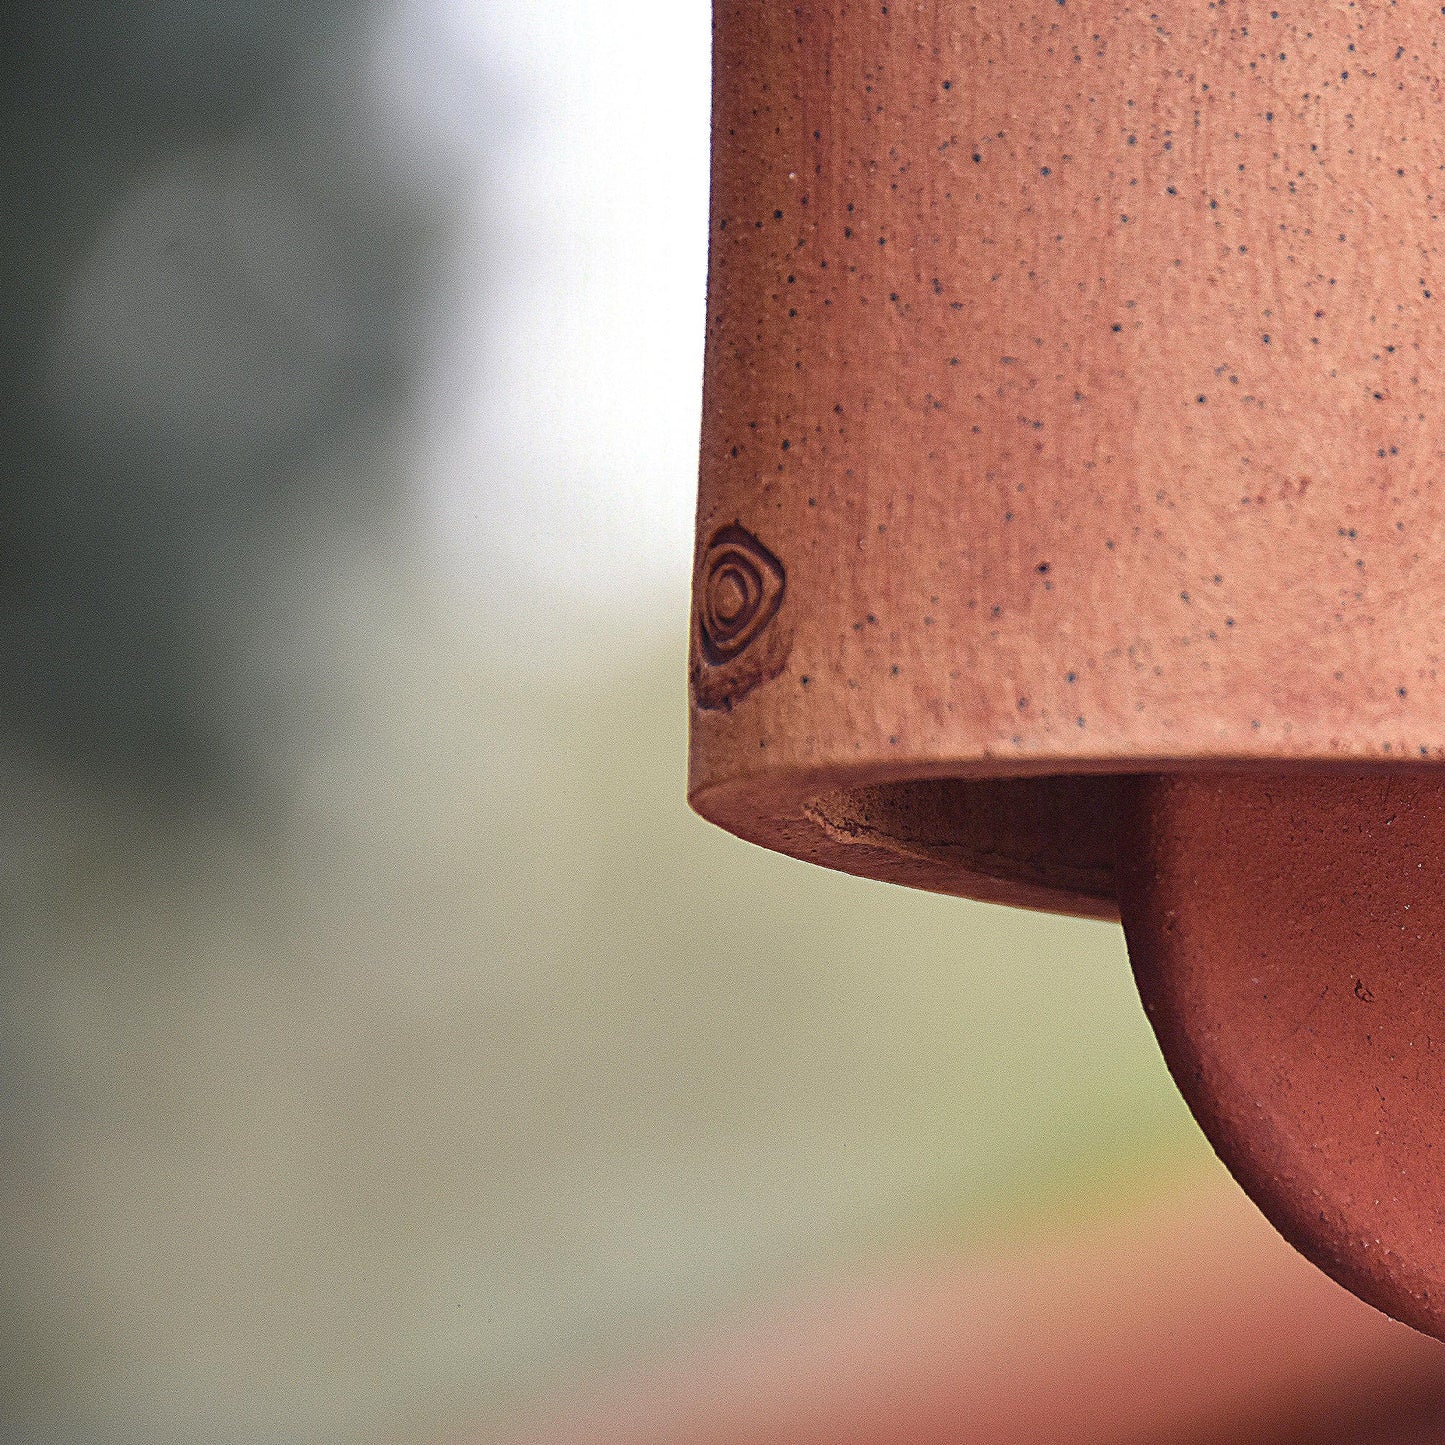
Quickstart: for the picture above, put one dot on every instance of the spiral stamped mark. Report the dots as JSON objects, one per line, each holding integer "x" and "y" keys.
{"x": 739, "y": 592}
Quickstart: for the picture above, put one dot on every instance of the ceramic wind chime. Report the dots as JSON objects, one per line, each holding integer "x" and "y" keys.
{"x": 1072, "y": 528}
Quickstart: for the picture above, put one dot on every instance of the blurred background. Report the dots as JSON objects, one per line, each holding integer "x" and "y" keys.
{"x": 386, "y": 1054}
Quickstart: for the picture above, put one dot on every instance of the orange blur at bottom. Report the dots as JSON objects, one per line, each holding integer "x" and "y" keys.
{"x": 1191, "y": 1323}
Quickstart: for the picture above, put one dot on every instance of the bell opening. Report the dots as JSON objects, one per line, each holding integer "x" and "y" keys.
{"x": 1049, "y": 841}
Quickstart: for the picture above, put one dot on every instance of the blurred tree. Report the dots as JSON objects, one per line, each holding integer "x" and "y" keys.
{"x": 205, "y": 276}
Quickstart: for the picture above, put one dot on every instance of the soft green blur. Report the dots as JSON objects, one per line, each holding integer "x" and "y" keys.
{"x": 482, "y": 1066}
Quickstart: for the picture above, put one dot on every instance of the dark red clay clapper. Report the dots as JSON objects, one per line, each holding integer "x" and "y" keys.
{"x": 1287, "y": 934}
{"x": 1072, "y": 528}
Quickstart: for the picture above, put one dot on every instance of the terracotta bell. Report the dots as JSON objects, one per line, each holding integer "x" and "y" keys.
{"x": 1072, "y": 528}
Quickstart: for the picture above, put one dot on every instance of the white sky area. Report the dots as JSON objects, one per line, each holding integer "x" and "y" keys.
{"x": 556, "y": 446}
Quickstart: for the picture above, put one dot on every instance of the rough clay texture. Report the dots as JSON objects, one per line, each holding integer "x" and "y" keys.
{"x": 1071, "y": 407}
{"x": 1286, "y": 934}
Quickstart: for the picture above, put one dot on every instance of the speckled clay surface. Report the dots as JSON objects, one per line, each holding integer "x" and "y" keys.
{"x": 1287, "y": 935}
{"x": 1073, "y": 411}
{"x": 1071, "y": 407}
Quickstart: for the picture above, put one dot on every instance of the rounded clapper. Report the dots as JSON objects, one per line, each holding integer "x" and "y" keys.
{"x": 1288, "y": 937}
{"x": 1072, "y": 416}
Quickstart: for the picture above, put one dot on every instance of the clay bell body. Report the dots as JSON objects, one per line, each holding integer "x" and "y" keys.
{"x": 1072, "y": 414}
{"x": 1071, "y": 383}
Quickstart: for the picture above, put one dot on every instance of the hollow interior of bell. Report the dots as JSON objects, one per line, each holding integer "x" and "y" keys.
{"x": 1051, "y": 837}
